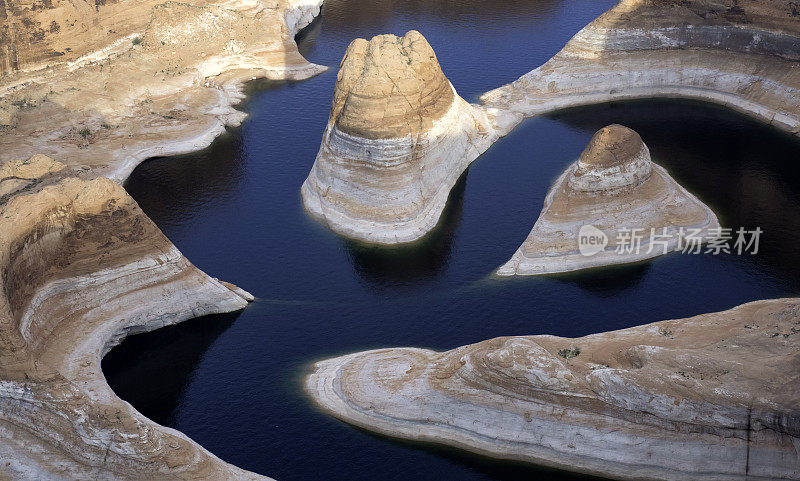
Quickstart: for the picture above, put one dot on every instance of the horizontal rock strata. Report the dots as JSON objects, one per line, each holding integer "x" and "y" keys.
{"x": 710, "y": 397}
{"x": 110, "y": 86}
{"x": 743, "y": 55}
{"x": 398, "y": 139}
{"x": 81, "y": 268}
{"x": 617, "y": 194}
{"x": 101, "y": 88}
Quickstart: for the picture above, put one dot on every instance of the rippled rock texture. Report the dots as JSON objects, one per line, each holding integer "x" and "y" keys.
{"x": 743, "y": 55}
{"x": 398, "y": 138}
{"x": 104, "y": 87}
{"x": 81, "y": 268}
{"x": 710, "y": 397}
{"x": 614, "y": 192}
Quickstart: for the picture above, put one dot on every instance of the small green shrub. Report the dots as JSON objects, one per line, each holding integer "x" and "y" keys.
{"x": 569, "y": 352}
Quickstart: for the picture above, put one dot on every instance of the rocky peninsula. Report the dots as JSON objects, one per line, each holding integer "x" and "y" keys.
{"x": 743, "y": 55}
{"x": 82, "y": 268}
{"x": 709, "y": 397}
{"x": 132, "y": 80}
{"x": 616, "y": 192}
{"x": 397, "y": 140}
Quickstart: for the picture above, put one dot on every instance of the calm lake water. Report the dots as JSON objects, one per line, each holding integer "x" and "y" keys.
{"x": 234, "y": 383}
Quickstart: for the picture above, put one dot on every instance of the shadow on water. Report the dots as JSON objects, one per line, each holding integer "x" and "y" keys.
{"x": 154, "y": 368}
{"x": 506, "y": 470}
{"x": 171, "y": 189}
{"x": 409, "y": 264}
{"x": 606, "y": 281}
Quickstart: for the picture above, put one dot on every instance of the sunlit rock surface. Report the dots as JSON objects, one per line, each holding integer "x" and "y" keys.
{"x": 709, "y": 397}
{"x": 743, "y": 55}
{"x": 102, "y": 88}
{"x": 398, "y": 138}
{"x": 83, "y": 267}
{"x": 615, "y": 193}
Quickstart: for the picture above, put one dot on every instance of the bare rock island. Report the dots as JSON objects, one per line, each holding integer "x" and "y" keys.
{"x": 617, "y": 192}
{"x": 398, "y": 138}
{"x": 709, "y": 397}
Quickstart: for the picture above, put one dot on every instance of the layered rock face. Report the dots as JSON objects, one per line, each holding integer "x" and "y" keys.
{"x": 81, "y": 268}
{"x": 104, "y": 88}
{"x": 743, "y": 55}
{"x": 710, "y": 397}
{"x": 613, "y": 192}
{"x": 398, "y": 138}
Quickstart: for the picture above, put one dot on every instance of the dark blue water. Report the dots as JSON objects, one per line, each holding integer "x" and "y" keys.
{"x": 234, "y": 383}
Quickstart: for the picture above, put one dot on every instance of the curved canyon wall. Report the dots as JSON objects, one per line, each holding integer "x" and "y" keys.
{"x": 101, "y": 89}
{"x": 742, "y": 55}
{"x": 81, "y": 268}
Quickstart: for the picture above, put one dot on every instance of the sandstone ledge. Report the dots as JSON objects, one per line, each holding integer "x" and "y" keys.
{"x": 709, "y": 397}
{"x": 742, "y": 57}
{"x": 165, "y": 84}
{"x": 83, "y": 267}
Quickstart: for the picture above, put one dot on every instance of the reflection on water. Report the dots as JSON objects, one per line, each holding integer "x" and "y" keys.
{"x": 411, "y": 264}
{"x": 355, "y": 15}
{"x": 215, "y": 171}
{"x": 606, "y": 281}
{"x": 235, "y": 211}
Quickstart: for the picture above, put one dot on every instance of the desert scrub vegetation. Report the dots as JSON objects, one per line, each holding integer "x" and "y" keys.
{"x": 570, "y": 352}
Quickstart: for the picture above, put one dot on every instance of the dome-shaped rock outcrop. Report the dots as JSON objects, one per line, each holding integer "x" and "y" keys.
{"x": 398, "y": 138}
{"x": 612, "y": 206}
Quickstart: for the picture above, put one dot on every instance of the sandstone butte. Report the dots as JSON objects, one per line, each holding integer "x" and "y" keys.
{"x": 616, "y": 188}
{"x": 397, "y": 140}
{"x": 373, "y": 182}
{"x": 99, "y": 89}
